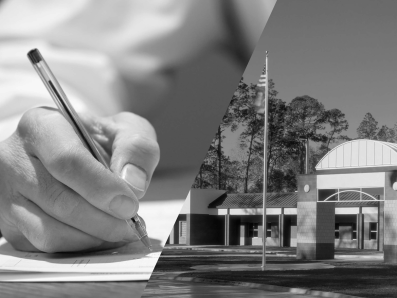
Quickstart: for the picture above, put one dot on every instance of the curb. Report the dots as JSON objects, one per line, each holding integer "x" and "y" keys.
{"x": 214, "y": 249}
{"x": 265, "y": 287}
{"x": 230, "y": 250}
{"x": 278, "y": 254}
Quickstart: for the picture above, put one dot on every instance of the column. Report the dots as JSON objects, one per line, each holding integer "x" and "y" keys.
{"x": 171, "y": 237}
{"x": 390, "y": 219}
{"x": 360, "y": 228}
{"x": 381, "y": 225}
{"x": 243, "y": 233}
{"x": 188, "y": 227}
{"x": 315, "y": 221}
{"x": 227, "y": 227}
{"x": 281, "y": 228}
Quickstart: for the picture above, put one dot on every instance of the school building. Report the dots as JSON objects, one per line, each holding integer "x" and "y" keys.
{"x": 350, "y": 202}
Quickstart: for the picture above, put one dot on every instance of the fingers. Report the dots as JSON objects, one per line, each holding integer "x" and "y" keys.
{"x": 44, "y": 232}
{"x": 67, "y": 206}
{"x": 135, "y": 157}
{"x": 134, "y": 150}
{"x": 50, "y": 138}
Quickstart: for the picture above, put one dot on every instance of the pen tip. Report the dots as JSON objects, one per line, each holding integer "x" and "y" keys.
{"x": 146, "y": 241}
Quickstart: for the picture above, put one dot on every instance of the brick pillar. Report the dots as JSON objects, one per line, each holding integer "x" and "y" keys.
{"x": 390, "y": 219}
{"x": 316, "y": 223}
{"x": 381, "y": 225}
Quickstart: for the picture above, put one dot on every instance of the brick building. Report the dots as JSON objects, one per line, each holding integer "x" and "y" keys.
{"x": 350, "y": 202}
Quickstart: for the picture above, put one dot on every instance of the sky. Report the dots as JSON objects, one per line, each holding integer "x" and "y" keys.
{"x": 341, "y": 52}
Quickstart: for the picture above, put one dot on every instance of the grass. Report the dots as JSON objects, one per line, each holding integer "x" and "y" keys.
{"x": 188, "y": 259}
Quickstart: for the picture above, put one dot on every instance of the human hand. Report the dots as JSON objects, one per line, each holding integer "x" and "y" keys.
{"x": 55, "y": 196}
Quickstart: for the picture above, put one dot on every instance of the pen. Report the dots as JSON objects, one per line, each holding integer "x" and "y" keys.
{"x": 63, "y": 104}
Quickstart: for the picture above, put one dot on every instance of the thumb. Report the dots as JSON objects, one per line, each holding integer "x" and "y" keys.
{"x": 134, "y": 159}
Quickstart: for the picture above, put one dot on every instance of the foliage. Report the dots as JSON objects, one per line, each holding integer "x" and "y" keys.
{"x": 290, "y": 125}
{"x": 368, "y": 128}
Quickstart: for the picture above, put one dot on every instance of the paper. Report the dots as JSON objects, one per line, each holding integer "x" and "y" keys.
{"x": 14, "y": 276}
{"x": 133, "y": 260}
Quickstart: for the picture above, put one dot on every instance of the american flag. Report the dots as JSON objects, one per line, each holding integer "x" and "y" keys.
{"x": 261, "y": 89}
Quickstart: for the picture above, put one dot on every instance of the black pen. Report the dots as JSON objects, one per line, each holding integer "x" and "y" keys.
{"x": 63, "y": 104}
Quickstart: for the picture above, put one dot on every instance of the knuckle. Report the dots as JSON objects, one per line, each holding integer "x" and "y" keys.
{"x": 62, "y": 204}
{"x": 64, "y": 160}
{"x": 146, "y": 145}
{"x": 35, "y": 123}
{"x": 28, "y": 123}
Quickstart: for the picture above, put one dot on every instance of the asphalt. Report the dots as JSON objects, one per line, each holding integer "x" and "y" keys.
{"x": 171, "y": 284}
{"x": 188, "y": 289}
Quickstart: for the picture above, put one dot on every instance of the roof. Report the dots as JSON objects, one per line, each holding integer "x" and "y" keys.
{"x": 254, "y": 200}
{"x": 359, "y": 154}
{"x": 274, "y": 200}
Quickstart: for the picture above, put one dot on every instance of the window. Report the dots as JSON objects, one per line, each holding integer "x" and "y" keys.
{"x": 373, "y": 230}
{"x": 182, "y": 229}
{"x": 269, "y": 230}
{"x": 336, "y": 231}
{"x": 354, "y": 231}
{"x": 253, "y": 230}
{"x": 323, "y": 194}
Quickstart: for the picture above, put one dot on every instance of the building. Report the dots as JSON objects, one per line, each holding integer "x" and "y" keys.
{"x": 350, "y": 202}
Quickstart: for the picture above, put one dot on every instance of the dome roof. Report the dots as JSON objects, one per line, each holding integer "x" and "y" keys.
{"x": 359, "y": 153}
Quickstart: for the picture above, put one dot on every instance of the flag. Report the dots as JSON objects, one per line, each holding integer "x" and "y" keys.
{"x": 261, "y": 89}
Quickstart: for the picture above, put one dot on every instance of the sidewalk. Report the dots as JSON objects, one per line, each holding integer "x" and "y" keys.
{"x": 340, "y": 254}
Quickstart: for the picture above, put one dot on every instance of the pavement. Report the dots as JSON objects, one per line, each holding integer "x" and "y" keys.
{"x": 171, "y": 284}
{"x": 185, "y": 289}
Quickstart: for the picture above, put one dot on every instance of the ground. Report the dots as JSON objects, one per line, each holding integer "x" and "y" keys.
{"x": 356, "y": 272}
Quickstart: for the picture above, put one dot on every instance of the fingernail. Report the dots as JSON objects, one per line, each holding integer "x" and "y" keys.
{"x": 135, "y": 176}
{"x": 123, "y": 206}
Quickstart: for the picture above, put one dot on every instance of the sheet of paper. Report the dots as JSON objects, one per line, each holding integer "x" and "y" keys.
{"x": 133, "y": 258}
{"x": 14, "y": 276}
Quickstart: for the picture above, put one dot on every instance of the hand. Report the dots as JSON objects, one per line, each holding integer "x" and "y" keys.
{"x": 55, "y": 196}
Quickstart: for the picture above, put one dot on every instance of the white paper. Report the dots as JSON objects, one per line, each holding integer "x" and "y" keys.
{"x": 133, "y": 259}
{"x": 14, "y": 276}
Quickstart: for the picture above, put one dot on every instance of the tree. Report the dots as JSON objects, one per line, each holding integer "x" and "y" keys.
{"x": 306, "y": 118}
{"x": 386, "y": 134}
{"x": 207, "y": 176}
{"x": 252, "y": 122}
{"x": 337, "y": 122}
{"x": 368, "y": 128}
{"x": 211, "y": 174}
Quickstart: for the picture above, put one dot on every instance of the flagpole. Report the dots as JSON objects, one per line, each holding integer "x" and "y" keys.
{"x": 265, "y": 129}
